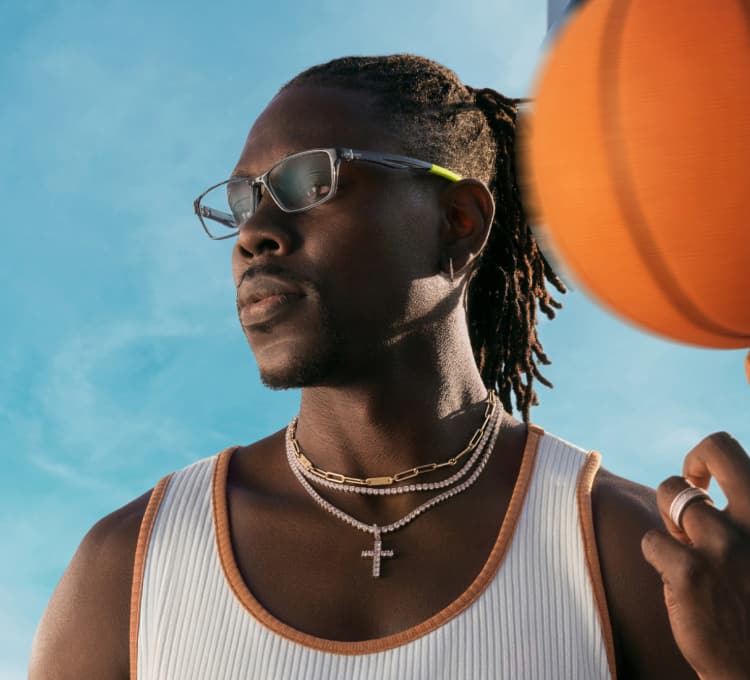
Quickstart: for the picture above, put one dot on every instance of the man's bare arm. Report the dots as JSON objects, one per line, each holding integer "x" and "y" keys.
{"x": 84, "y": 632}
{"x": 644, "y": 643}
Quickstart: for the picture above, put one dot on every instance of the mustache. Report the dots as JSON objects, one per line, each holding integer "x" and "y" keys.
{"x": 272, "y": 269}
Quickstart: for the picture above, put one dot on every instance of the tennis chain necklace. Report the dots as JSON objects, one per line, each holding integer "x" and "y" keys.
{"x": 377, "y": 553}
{"x": 310, "y": 470}
{"x": 478, "y": 442}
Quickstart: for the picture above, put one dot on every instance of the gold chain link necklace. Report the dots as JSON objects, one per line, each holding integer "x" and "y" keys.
{"x": 378, "y": 552}
{"x": 404, "y": 475}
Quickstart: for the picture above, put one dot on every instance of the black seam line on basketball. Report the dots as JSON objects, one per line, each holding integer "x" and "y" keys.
{"x": 640, "y": 232}
{"x": 745, "y": 7}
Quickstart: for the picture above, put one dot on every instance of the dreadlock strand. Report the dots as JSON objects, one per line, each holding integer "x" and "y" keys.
{"x": 532, "y": 268}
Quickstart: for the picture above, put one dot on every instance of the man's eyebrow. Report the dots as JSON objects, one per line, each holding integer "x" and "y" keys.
{"x": 238, "y": 173}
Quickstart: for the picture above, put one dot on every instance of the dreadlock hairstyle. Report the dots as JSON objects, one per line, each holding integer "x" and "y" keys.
{"x": 472, "y": 132}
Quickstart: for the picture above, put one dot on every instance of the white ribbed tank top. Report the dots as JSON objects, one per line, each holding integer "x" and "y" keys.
{"x": 536, "y": 611}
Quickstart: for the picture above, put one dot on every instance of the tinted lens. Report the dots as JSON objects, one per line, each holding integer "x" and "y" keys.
{"x": 302, "y": 181}
{"x": 241, "y": 197}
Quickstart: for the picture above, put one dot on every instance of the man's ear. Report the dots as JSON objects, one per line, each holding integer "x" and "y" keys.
{"x": 468, "y": 210}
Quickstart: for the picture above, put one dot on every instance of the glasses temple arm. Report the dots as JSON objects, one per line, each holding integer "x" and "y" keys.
{"x": 389, "y": 160}
{"x": 399, "y": 162}
{"x": 217, "y": 215}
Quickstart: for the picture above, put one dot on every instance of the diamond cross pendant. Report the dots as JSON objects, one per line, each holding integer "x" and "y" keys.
{"x": 376, "y": 554}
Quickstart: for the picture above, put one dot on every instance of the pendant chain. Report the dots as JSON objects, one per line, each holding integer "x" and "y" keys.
{"x": 377, "y": 552}
{"x": 424, "y": 486}
{"x": 388, "y": 480}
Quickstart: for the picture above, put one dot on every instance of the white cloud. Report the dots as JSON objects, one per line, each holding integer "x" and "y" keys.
{"x": 69, "y": 475}
{"x": 89, "y": 423}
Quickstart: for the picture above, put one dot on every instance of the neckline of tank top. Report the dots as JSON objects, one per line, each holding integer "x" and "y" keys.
{"x": 242, "y": 592}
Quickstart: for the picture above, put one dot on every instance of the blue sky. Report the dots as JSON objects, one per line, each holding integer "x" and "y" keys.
{"x": 123, "y": 357}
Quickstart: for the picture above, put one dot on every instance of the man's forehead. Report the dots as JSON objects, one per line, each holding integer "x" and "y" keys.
{"x": 308, "y": 117}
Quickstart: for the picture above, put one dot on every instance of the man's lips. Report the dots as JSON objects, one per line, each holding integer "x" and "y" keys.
{"x": 255, "y": 290}
{"x": 262, "y": 297}
{"x": 271, "y": 306}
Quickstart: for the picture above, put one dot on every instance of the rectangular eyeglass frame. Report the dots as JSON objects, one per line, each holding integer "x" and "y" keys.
{"x": 335, "y": 155}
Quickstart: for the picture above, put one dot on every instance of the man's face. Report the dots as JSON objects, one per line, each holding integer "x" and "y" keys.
{"x": 363, "y": 260}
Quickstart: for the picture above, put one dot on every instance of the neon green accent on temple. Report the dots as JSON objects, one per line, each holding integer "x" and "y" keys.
{"x": 442, "y": 172}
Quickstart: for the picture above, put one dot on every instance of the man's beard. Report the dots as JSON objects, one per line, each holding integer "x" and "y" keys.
{"x": 315, "y": 368}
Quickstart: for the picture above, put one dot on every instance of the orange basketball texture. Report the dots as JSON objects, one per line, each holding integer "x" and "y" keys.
{"x": 635, "y": 160}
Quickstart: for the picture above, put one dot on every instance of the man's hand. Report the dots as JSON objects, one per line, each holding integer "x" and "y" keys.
{"x": 706, "y": 567}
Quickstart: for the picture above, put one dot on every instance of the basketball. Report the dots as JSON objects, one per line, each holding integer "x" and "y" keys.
{"x": 635, "y": 158}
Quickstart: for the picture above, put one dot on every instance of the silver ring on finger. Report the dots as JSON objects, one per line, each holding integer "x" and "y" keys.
{"x": 682, "y": 500}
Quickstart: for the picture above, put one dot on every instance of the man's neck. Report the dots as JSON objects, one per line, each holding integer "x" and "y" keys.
{"x": 416, "y": 410}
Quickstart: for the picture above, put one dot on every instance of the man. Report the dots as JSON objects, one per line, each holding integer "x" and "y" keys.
{"x": 395, "y": 293}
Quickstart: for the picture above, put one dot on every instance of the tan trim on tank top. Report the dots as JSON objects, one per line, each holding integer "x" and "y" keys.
{"x": 586, "y": 519}
{"x": 241, "y": 591}
{"x": 141, "y": 550}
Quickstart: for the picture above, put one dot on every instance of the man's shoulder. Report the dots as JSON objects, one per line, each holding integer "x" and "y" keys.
{"x": 122, "y": 525}
{"x": 623, "y": 511}
{"x": 621, "y": 502}
{"x": 117, "y": 533}
{"x": 112, "y": 541}
{"x": 84, "y": 631}
{"x": 616, "y": 501}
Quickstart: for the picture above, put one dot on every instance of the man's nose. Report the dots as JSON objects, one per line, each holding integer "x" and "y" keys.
{"x": 264, "y": 233}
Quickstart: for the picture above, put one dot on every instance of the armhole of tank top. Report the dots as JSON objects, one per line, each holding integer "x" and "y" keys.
{"x": 139, "y": 566}
{"x": 586, "y": 519}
